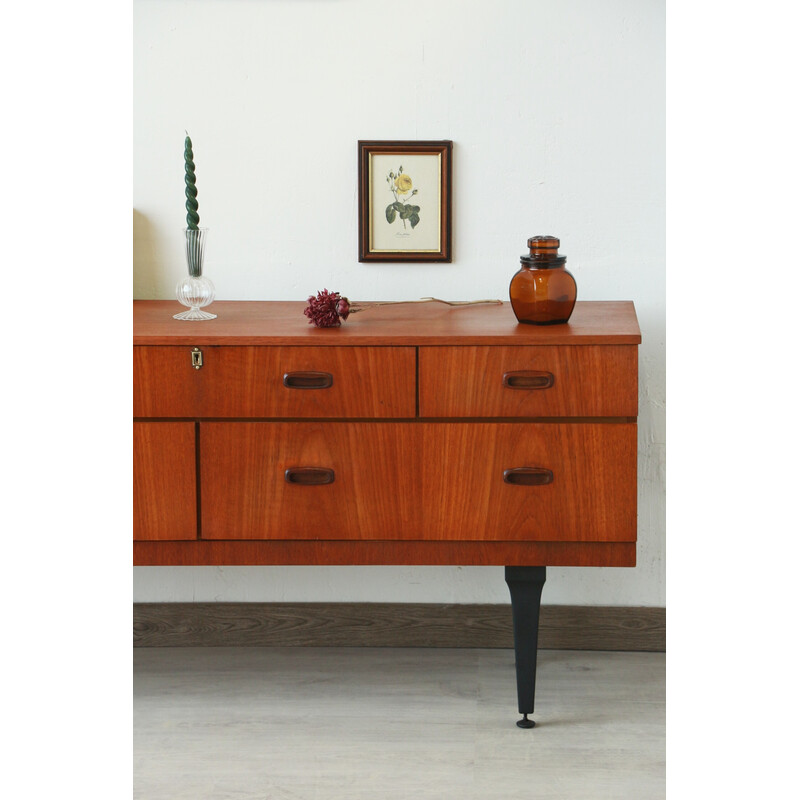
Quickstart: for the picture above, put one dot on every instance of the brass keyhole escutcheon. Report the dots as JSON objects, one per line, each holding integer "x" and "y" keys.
{"x": 197, "y": 358}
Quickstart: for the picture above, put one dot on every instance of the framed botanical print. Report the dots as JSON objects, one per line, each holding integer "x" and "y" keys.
{"x": 404, "y": 201}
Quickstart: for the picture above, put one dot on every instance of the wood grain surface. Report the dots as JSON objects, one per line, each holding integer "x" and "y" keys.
{"x": 248, "y": 382}
{"x": 591, "y": 381}
{"x": 405, "y": 490}
{"x": 375, "y": 493}
{"x": 320, "y": 552}
{"x": 427, "y": 481}
{"x": 282, "y": 323}
{"x": 164, "y": 494}
{"x": 592, "y": 496}
{"x": 392, "y": 625}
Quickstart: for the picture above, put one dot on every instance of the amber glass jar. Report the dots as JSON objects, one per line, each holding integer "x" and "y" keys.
{"x": 543, "y": 292}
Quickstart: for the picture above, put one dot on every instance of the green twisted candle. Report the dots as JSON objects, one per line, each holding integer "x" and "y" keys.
{"x": 192, "y": 217}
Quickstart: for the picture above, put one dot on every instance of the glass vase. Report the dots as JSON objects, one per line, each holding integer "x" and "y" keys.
{"x": 195, "y": 290}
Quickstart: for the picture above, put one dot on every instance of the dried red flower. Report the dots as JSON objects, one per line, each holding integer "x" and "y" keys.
{"x": 328, "y": 309}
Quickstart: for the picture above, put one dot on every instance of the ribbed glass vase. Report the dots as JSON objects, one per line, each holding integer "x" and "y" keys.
{"x": 195, "y": 290}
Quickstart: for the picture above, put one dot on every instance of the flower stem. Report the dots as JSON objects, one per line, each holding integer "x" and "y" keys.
{"x": 356, "y": 306}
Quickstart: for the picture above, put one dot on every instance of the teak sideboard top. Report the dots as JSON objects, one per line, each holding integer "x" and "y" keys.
{"x": 259, "y": 322}
{"x": 433, "y": 440}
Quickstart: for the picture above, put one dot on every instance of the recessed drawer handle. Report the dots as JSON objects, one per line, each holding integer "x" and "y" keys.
{"x": 308, "y": 380}
{"x": 309, "y": 476}
{"x": 528, "y": 476}
{"x": 528, "y": 379}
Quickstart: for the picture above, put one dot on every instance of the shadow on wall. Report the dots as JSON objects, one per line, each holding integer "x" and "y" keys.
{"x": 150, "y": 278}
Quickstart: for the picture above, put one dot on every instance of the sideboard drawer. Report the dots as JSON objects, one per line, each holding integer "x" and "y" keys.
{"x": 164, "y": 496}
{"x": 321, "y": 382}
{"x": 360, "y": 490}
{"x": 530, "y": 481}
{"x": 431, "y": 481}
{"x": 528, "y": 381}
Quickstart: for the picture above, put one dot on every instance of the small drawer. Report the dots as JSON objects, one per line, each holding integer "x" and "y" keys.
{"x": 538, "y": 381}
{"x": 164, "y": 481}
{"x": 544, "y": 481}
{"x": 308, "y": 480}
{"x": 236, "y": 382}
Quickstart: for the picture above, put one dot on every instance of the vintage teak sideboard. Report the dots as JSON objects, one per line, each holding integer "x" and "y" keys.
{"x": 413, "y": 434}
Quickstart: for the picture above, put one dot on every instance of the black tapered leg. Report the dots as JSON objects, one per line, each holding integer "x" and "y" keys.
{"x": 525, "y": 585}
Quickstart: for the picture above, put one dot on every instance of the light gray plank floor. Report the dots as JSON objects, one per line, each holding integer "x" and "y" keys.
{"x": 273, "y": 723}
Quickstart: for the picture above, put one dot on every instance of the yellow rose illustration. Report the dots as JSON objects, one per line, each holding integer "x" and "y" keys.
{"x": 403, "y": 183}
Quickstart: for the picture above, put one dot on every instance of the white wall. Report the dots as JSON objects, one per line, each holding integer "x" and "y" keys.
{"x": 557, "y": 113}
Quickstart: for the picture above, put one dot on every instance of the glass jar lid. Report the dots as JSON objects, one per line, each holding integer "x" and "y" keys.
{"x": 543, "y": 253}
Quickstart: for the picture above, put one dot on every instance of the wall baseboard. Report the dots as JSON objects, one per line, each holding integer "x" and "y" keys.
{"x": 392, "y": 625}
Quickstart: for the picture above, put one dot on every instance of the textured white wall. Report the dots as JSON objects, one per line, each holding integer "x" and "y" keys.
{"x": 557, "y": 113}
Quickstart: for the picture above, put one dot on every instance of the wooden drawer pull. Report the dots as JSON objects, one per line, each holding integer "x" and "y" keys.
{"x": 528, "y": 379}
{"x": 528, "y": 476}
{"x": 308, "y": 380}
{"x": 309, "y": 476}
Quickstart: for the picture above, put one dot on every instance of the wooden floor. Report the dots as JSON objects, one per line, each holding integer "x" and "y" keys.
{"x": 303, "y": 723}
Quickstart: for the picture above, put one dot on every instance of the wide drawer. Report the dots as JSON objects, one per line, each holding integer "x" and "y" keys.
{"x": 221, "y": 381}
{"x": 418, "y": 481}
{"x": 535, "y": 381}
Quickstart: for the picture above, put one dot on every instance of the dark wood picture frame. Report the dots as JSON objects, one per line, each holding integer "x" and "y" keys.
{"x": 377, "y": 240}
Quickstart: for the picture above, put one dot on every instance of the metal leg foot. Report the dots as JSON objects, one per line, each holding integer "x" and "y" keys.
{"x": 525, "y": 585}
